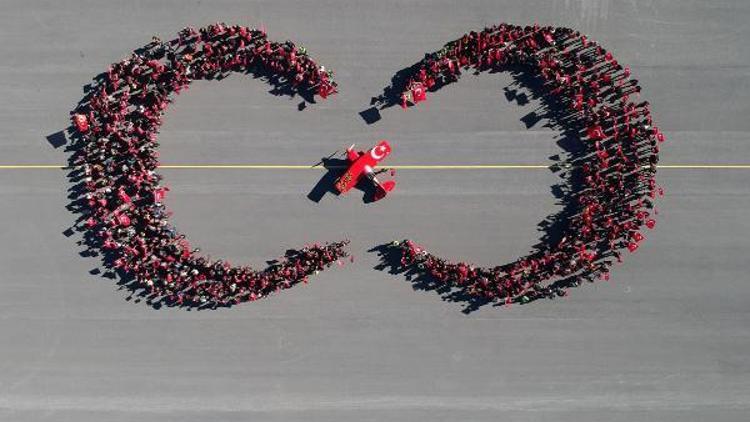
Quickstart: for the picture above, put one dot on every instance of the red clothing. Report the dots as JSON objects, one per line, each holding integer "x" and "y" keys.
{"x": 81, "y": 122}
{"x": 595, "y": 133}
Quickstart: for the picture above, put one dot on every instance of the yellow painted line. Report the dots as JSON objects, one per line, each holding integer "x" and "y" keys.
{"x": 705, "y": 166}
{"x": 319, "y": 167}
{"x": 466, "y": 167}
{"x": 30, "y": 166}
{"x": 395, "y": 167}
{"x": 239, "y": 166}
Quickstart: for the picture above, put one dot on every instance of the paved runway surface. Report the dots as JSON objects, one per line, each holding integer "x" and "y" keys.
{"x": 667, "y": 339}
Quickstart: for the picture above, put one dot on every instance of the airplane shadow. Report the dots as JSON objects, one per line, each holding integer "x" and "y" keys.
{"x": 335, "y": 167}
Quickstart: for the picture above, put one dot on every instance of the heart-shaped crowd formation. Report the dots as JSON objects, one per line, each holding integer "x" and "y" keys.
{"x": 121, "y": 196}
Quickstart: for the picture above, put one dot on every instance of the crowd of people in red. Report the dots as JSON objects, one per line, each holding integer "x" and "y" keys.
{"x": 116, "y": 159}
{"x": 618, "y": 166}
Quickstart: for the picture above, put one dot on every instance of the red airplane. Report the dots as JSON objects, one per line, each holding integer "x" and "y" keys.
{"x": 363, "y": 164}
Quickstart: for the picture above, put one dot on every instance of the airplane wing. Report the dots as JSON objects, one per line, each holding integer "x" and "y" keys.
{"x": 350, "y": 178}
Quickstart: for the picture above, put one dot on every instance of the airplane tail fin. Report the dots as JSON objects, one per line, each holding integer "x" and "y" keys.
{"x": 351, "y": 155}
{"x": 383, "y": 189}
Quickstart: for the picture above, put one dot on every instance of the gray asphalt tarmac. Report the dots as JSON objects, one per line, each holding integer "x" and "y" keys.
{"x": 667, "y": 339}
